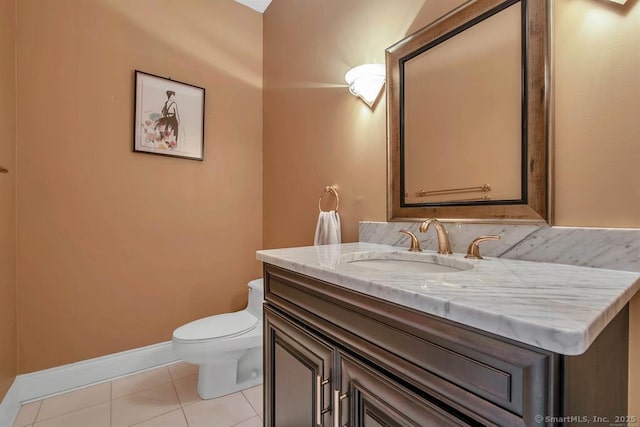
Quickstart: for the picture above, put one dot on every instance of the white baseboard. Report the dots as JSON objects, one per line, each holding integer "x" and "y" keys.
{"x": 9, "y": 406}
{"x": 61, "y": 379}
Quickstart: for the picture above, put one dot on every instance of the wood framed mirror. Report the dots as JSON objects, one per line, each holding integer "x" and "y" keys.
{"x": 467, "y": 116}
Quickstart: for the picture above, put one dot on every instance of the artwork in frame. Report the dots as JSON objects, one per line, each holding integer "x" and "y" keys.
{"x": 169, "y": 117}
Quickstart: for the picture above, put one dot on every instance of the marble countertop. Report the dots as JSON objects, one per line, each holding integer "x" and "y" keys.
{"x": 560, "y": 308}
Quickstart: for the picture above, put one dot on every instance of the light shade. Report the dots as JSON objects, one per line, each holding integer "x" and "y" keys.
{"x": 365, "y": 81}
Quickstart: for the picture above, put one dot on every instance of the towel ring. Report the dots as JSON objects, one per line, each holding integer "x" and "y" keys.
{"x": 329, "y": 189}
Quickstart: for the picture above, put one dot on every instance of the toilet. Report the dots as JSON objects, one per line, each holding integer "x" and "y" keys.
{"x": 227, "y": 347}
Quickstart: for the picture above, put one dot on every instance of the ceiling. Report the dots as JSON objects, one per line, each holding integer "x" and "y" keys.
{"x": 259, "y": 5}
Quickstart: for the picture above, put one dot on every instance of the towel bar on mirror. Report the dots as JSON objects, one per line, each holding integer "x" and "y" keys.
{"x": 329, "y": 189}
{"x": 424, "y": 193}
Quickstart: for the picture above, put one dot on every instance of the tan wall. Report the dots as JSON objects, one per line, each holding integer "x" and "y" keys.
{"x": 597, "y": 105}
{"x": 597, "y": 129}
{"x": 316, "y": 134}
{"x": 115, "y": 248}
{"x": 7, "y": 196}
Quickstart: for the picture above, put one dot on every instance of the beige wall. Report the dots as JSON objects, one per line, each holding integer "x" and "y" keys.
{"x": 597, "y": 129}
{"x": 7, "y": 196}
{"x": 597, "y": 104}
{"x": 316, "y": 134}
{"x": 115, "y": 248}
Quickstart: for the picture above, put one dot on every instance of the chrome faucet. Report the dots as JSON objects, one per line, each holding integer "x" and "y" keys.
{"x": 444, "y": 247}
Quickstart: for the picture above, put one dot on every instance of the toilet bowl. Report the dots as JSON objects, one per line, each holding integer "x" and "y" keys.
{"x": 227, "y": 347}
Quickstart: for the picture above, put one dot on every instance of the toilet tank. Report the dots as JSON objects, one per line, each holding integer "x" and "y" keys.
{"x": 256, "y": 297}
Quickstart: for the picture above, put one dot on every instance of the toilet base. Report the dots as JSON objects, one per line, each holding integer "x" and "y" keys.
{"x": 229, "y": 376}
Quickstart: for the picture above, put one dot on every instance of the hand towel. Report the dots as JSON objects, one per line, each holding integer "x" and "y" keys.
{"x": 328, "y": 229}
{"x": 328, "y": 255}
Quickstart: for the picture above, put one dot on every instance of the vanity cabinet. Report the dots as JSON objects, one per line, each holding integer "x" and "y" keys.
{"x": 300, "y": 368}
{"x": 303, "y": 369}
{"x": 337, "y": 357}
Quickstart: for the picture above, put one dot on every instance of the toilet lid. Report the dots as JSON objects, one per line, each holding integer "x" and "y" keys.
{"x": 225, "y": 325}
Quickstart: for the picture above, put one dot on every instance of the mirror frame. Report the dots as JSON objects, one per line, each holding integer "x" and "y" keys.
{"x": 535, "y": 204}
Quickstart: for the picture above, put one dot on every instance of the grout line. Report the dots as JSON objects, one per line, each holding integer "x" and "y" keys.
{"x": 248, "y": 401}
{"x": 142, "y": 389}
{"x": 246, "y": 419}
{"x": 257, "y": 411}
{"x": 111, "y": 406}
{"x": 70, "y": 412}
{"x": 37, "y": 412}
{"x": 175, "y": 389}
{"x": 186, "y": 421}
{"x": 157, "y": 415}
{"x": 173, "y": 378}
{"x": 20, "y": 409}
{"x": 111, "y": 403}
{"x": 130, "y": 374}
{"x": 153, "y": 418}
{"x": 189, "y": 403}
{"x": 245, "y": 398}
{"x": 173, "y": 383}
{"x": 170, "y": 374}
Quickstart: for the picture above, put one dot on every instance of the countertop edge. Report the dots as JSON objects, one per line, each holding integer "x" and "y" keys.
{"x": 567, "y": 341}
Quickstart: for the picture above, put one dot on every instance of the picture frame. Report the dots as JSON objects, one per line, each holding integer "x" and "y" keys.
{"x": 168, "y": 117}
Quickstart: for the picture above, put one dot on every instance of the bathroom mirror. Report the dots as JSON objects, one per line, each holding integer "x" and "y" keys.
{"x": 468, "y": 117}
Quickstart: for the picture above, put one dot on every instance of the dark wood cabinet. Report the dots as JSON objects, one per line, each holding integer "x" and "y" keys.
{"x": 336, "y": 357}
{"x": 300, "y": 369}
{"x": 298, "y": 372}
{"x": 372, "y": 399}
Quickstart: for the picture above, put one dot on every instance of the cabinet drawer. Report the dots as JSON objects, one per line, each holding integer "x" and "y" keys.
{"x": 429, "y": 349}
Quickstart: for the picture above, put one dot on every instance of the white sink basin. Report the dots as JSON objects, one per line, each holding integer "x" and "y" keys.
{"x": 406, "y": 262}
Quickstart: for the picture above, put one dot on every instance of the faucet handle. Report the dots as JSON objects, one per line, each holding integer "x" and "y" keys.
{"x": 473, "y": 252}
{"x": 415, "y": 243}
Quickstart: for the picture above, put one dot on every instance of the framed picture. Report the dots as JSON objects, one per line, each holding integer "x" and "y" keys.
{"x": 169, "y": 117}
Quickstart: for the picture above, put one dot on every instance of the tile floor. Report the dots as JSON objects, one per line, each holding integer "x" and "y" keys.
{"x": 161, "y": 397}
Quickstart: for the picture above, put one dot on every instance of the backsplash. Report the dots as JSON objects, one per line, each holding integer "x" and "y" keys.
{"x": 613, "y": 248}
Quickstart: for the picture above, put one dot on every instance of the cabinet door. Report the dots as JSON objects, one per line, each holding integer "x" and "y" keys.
{"x": 297, "y": 375}
{"x": 368, "y": 398}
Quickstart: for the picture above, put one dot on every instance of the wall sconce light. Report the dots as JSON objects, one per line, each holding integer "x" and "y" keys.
{"x": 365, "y": 81}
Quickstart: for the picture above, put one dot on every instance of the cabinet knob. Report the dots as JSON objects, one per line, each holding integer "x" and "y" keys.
{"x": 3, "y": 169}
